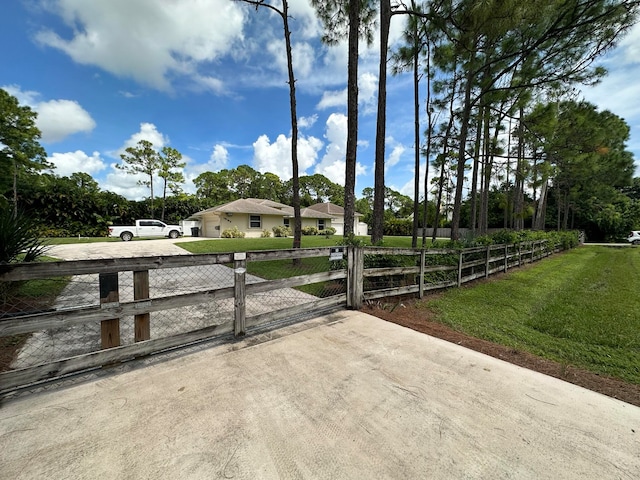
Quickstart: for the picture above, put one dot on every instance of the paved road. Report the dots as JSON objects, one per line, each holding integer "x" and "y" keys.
{"x": 348, "y": 396}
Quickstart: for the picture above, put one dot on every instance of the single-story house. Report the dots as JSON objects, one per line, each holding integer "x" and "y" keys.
{"x": 337, "y": 218}
{"x": 253, "y": 215}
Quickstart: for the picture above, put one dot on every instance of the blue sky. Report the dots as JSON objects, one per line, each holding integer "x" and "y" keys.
{"x": 208, "y": 77}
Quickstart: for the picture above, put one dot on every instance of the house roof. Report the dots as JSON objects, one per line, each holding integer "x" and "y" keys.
{"x": 331, "y": 209}
{"x": 269, "y": 203}
{"x": 305, "y": 213}
{"x": 259, "y": 206}
{"x": 243, "y": 205}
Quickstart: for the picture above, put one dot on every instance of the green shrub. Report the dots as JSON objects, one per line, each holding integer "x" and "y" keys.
{"x": 328, "y": 232}
{"x": 352, "y": 241}
{"x": 53, "y": 232}
{"x": 265, "y": 233}
{"x": 281, "y": 231}
{"x": 19, "y": 238}
{"x": 309, "y": 230}
{"x": 232, "y": 233}
{"x": 398, "y": 227}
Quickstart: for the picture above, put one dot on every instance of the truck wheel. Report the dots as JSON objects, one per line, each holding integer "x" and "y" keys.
{"x": 636, "y": 242}
{"x": 126, "y": 236}
{"x": 174, "y": 234}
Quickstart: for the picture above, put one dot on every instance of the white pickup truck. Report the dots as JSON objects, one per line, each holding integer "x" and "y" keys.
{"x": 146, "y": 228}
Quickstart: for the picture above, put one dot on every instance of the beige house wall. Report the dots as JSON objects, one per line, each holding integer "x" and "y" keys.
{"x": 359, "y": 227}
{"x": 241, "y": 221}
{"x": 212, "y": 225}
{"x": 312, "y": 222}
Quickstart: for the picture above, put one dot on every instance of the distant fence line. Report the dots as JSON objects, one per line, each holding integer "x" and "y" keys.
{"x": 112, "y": 310}
{"x": 446, "y": 232}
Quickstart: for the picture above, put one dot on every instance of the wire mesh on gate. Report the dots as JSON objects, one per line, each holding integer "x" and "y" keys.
{"x": 80, "y": 291}
{"x": 278, "y": 298}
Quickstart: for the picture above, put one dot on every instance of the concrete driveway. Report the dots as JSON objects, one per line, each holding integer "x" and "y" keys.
{"x": 346, "y": 396}
{"x": 135, "y": 248}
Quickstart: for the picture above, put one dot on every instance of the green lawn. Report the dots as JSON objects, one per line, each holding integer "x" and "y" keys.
{"x": 71, "y": 240}
{"x": 581, "y": 308}
{"x": 221, "y": 245}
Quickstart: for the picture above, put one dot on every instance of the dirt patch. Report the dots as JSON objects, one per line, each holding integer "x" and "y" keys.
{"x": 404, "y": 312}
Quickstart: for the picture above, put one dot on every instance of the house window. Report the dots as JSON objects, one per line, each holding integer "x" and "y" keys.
{"x": 255, "y": 221}
{"x": 286, "y": 222}
{"x": 321, "y": 224}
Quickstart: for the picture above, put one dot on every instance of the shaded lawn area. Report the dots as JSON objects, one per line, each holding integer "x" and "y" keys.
{"x": 581, "y": 308}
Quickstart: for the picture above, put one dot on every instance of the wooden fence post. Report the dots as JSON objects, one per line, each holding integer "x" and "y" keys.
{"x": 423, "y": 259}
{"x": 109, "y": 329}
{"x": 533, "y": 251}
{"x": 486, "y": 265}
{"x": 142, "y": 322}
{"x": 460, "y": 268}
{"x": 240, "y": 307}
{"x": 520, "y": 254}
{"x": 506, "y": 256}
{"x": 355, "y": 277}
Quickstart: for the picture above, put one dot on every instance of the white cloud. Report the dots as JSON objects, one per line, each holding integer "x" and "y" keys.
{"x": 149, "y": 132}
{"x": 367, "y": 88}
{"x": 219, "y": 159}
{"x": 151, "y": 41}
{"x": 125, "y": 184}
{"x": 212, "y": 84}
{"x": 57, "y": 119}
{"x": 307, "y": 122}
{"x": 333, "y": 98}
{"x": 307, "y": 23}
{"x": 394, "y": 157}
{"x": 276, "y": 157}
{"x": 27, "y": 98}
{"x": 367, "y": 92}
{"x": 630, "y": 46}
{"x": 71, "y": 162}
{"x": 408, "y": 187}
{"x": 333, "y": 162}
{"x": 304, "y": 56}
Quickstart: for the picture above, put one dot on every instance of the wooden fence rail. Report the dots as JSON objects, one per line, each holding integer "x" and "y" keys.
{"x": 466, "y": 265}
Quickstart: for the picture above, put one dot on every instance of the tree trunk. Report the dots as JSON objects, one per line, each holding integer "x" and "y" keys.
{"x": 416, "y": 142}
{"x": 507, "y": 203}
{"x": 352, "y": 118}
{"x": 428, "y": 151}
{"x": 445, "y": 154}
{"x": 15, "y": 187}
{"x": 538, "y": 221}
{"x": 151, "y": 193}
{"x": 164, "y": 199}
{"x": 486, "y": 173}
{"x": 462, "y": 153}
{"x": 474, "y": 177}
{"x": 297, "y": 220}
{"x": 377, "y": 232}
{"x": 519, "y": 191}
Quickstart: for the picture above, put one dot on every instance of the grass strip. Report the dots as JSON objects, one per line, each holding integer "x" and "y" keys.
{"x": 580, "y": 308}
